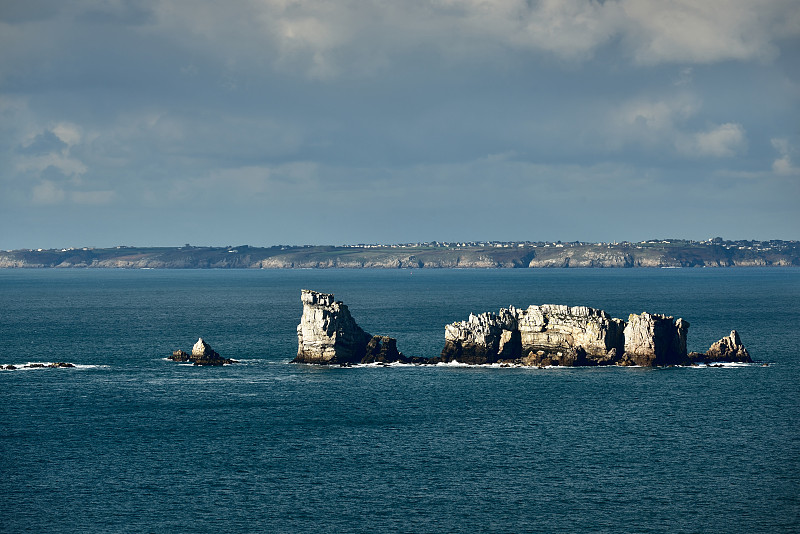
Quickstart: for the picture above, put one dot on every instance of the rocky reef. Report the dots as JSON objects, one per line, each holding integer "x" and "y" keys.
{"x": 545, "y": 335}
{"x": 202, "y": 354}
{"x": 53, "y": 365}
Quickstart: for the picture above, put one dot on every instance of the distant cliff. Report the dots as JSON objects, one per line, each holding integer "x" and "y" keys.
{"x": 664, "y": 253}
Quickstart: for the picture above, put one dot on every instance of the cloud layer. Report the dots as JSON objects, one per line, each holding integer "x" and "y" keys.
{"x": 280, "y": 121}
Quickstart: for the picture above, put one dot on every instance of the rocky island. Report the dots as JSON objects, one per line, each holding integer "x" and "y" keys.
{"x": 202, "y": 354}
{"x": 328, "y": 334}
{"x": 546, "y": 335}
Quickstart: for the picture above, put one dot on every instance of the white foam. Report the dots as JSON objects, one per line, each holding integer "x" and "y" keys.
{"x": 727, "y": 365}
{"x": 46, "y": 365}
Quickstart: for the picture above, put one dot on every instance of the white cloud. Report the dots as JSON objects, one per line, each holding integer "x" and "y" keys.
{"x": 783, "y": 165}
{"x": 688, "y": 31}
{"x": 651, "y": 123}
{"x": 665, "y": 124}
{"x": 69, "y": 134}
{"x": 723, "y": 141}
{"x": 327, "y": 39}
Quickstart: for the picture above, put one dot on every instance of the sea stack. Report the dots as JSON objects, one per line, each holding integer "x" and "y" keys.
{"x": 328, "y": 335}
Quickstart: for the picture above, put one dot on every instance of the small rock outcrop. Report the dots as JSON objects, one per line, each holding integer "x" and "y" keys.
{"x": 202, "y": 354}
{"x": 383, "y": 349}
{"x": 53, "y": 365}
{"x": 328, "y": 335}
{"x": 727, "y": 349}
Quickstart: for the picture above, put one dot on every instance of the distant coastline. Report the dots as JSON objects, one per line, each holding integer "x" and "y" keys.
{"x": 474, "y": 255}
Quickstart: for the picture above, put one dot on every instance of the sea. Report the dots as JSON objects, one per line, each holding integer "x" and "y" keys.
{"x": 128, "y": 441}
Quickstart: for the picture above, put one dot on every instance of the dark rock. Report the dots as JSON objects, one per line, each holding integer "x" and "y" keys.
{"x": 10, "y": 368}
{"x": 469, "y": 353}
{"x": 180, "y": 356}
{"x": 571, "y": 357}
{"x": 383, "y": 349}
{"x": 63, "y": 365}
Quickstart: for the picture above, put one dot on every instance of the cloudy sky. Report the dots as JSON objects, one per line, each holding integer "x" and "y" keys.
{"x": 164, "y": 122}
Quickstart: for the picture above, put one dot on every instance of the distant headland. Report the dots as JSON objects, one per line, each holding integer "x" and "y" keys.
{"x": 715, "y": 252}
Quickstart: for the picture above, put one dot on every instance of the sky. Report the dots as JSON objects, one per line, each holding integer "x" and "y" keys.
{"x": 265, "y": 122}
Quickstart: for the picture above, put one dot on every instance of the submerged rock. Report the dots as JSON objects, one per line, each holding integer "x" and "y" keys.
{"x": 328, "y": 334}
{"x": 53, "y": 365}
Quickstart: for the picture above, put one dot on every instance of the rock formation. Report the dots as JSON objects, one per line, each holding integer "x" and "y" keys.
{"x": 727, "y": 349}
{"x": 383, "y": 349}
{"x": 561, "y": 335}
{"x": 654, "y": 340}
{"x": 539, "y": 335}
{"x": 202, "y": 354}
{"x": 328, "y": 334}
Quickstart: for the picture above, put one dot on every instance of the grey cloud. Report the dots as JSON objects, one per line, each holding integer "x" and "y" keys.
{"x": 451, "y": 116}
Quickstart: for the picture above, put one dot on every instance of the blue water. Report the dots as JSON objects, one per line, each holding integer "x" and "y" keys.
{"x": 129, "y": 442}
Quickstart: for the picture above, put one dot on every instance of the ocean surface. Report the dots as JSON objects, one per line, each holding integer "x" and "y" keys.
{"x": 131, "y": 442}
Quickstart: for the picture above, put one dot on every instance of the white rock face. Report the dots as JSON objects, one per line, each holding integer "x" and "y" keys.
{"x": 728, "y": 349}
{"x": 652, "y": 339}
{"x": 552, "y": 327}
{"x": 201, "y": 348}
{"x": 561, "y": 335}
{"x": 327, "y": 333}
{"x": 511, "y": 333}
